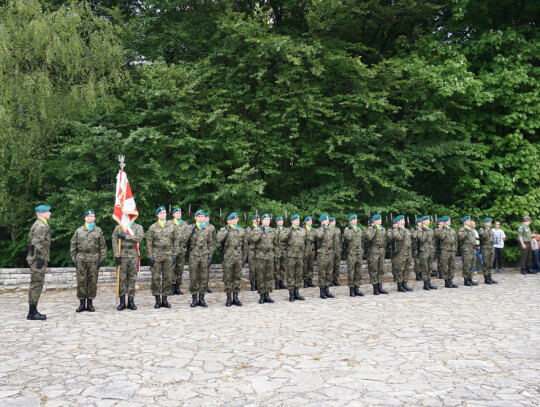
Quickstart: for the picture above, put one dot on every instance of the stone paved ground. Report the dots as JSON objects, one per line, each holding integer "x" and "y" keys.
{"x": 468, "y": 346}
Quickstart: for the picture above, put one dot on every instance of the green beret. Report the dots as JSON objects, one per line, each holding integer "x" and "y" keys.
{"x": 295, "y": 216}
{"x": 177, "y": 210}
{"x": 206, "y": 214}
{"x": 398, "y": 218}
{"x": 89, "y": 212}
{"x": 265, "y": 216}
{"x": 444, "y": 219}
{"x": 232, "y": 215}
{"x": 376, "y": 217}
{"x": 487, "y": 220}
{"x": 423, "y": 218}
{"x": 307, "y": 218}
{"x": 42, "y": 208}
{"x": 161, "y": 208}
{"x": 465, "y": 218}
{"x": 279, "y": 218}
{"x": 323, "y": 217}
{"x": 332, "y": 219}
{"x": 255, "y": 216}
{"x": 353, "y": 216}
{"x": 199, "y": 212}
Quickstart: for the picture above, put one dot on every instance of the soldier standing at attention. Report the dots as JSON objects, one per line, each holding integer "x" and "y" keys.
{"x": 426, "y": 248}
{"x": 525, "y": 237}
{"x": 88, "y": 250}
{"x": 231, "y": 237}
{"x": 161, "y": 248}
{"x": 251, "y": 252}
{"x": 353, "y": 246}
{"x": 468, "y": 244}
{"x": 309, "y": 259}
{"x": 447, "y": 250}
{"x": 325, "y": 255}
{"x": 402, "y": 256}
{"x": 178, "y": 269}
{"x": 376, "y": 238}
{"x": 337, "y": 251}
{"x": 279, "y": 269}
{"x": 487, "y": 250}
{"x": 212, "y": 246}
{"x": 128, "y": 260}
{"x": 266, "y": 241}
{"x": 295, "y": 240}
{"x": 39, "y": 247}
{"x": 415, "y": 248}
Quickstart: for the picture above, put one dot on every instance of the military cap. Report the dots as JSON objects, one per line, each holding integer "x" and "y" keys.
{"x": 232, "y": 215}
{"x": 353, "y": 216}
{"x": 255, "y": 216}
{"x": 423, "y": 218}
{"x": 444, "y": 218}
{"x": 177, "y": 210}
{"x": 307, "y": 218}
{"x": 161, "y": 208}
{"x": 279, "y": 218}
{"x": 42, "y": 208}
{"x": 398, "y": 218}
{"x": 376, "y": 217}
{"x": 323, "y": 217}
{"x": 465, "y": 218}
{"x": 206, "y": 214}
{"x": 295, "y": 216}
{"x": 199, "y": 212}
{"x": 89, "y": 212}
{"x": 487, "y": 220}
{"x": 265, "y": 216}
{"x": 332, "y": 219}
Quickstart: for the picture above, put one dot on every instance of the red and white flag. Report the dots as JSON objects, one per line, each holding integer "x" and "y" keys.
{"x": 125, "y": 211}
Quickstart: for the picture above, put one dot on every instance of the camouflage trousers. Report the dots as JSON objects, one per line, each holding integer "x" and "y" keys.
{"x": 293, "y": 271}
{"x": 337, "y": 265}
{"x": 417, "y": 268}
{"x": 325, "y": 265}
{"x": 232, "y": 275}
{"x": 162, "y": 274}
{"x": 447, "y": 264}
{"x": 308, "y": 266}
{"x": 488, "y": 256}
{"x": 265, "y": 275}
{"x": 376, "y": 266}
{"x": 425, "y": 261}
{"x": 402, "y": 268}
{"x": 37, "y": 278}
{"x": 279, "y": 269}
{"x": 128, "y": 276}
{"x": 87, "y": 278}
{"x": 468, "y": 258}
{"x": 178, "y": 270}
{"x": 252, "y": 266}
{"x": 354, "y": 269}
{"x": 198, "y": 274}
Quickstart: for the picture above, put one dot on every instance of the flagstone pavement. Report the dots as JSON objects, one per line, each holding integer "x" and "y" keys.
{"x": 470, "y": 346}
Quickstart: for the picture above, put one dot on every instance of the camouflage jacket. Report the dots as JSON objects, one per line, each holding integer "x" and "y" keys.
{"x": 447, "y": 238}
{"x": 181, "y": 226}
{"x": 281, "y": 247}
{"x": 40, "y": 240}
{"x": 337, "y": 241}
{"x": 426, "y": 240}
{"x": 162, "y": 240}
{"x": 88, "y": 244}
{"x": 310, "y": 240}
{"x": 467, "y": 239}
{"x": 250, "y": 247}
{"x": 325, "y": 241}
{"x": 127, "y": 247}
{"x": 295, "y": 240}
{"x": 376, "y": 238}
{"x": 486, "y": 237}
{"x": 354, "y": 239}
{"x": 265, "y": 242}
{"x": 402, "y": 241}
{"x": 233, "y": 241}
{"x": 200, "y": 240}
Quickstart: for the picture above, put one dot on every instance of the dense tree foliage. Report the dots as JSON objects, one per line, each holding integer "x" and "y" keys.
{"x": 338, "y": 106}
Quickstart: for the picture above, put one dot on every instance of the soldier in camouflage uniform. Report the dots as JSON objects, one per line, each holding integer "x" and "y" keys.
{"x": 447, "y": 251}
{"x": 231, "y": 239}
{"x": 39, "y": 246}
{"x": 295, "y": 240}
{"x": 375, "y": 237}
{"x": 468, "y": 243}
{"x": 161, "y": 249}
{"x": 309, "y": 259}
{"x": 525, "y": 238}
{"x": 213, "y": 245}
{"x": 325, "y": 255}
{"x": 337, "y": 252}
{"x": 353, "y": 245}
{"x": 128, "y": 260}
{"x": 88, "y": 250}
{"x": 251, "y": 252}
{"x": 415, "y": 248}
{"x": 200, "y": 240}
{"x": 487, "y": 250}
{"x": 178, "y": 269}
{"x": 402, "y": 256}
{"x": 279, "y": 269}
{"x": 426, "y": 247}
{"x": 440, "y": 227}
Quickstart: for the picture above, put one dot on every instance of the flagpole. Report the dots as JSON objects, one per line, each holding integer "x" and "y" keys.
{"x": 120, "y": 229}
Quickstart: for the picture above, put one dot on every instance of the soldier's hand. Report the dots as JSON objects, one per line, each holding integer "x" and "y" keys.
{"x": 174, "y": 259}
{"x": 151, "y": 261}
{"x": 121, "y": 236}
{"x": 99, "y": 264}
{"x": 40, "y": 263}
{"x": 118, "y": 260}
{"x": 75, "y": 263}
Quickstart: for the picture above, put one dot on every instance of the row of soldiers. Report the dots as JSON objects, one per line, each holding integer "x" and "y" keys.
{"x": 283, "y": 257}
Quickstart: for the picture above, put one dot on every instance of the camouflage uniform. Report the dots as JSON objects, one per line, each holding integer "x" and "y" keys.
{"x": 468, "y": 242}
{"x": 525, "y": 259}
{"x": 309, "y": 260}
{"x": 281, "y": 248}
{"x": 426, "y": 243}
{"x": 376, "y": 238}
{"x": 39, "y": 245}
{"x": 355, "y": 251}
{"x": 251, "y": 252}
{"x": 487, "y": 249}
{"x": 295, "y": 241}
{"x": 88, "y": 249}
{"x": 178, "y": 270}
{"x": 447, "y": 251}
{"x": 266, "y": 242}
{"x": 337, "y": 253}
{"x": 213, "y": 244}
{"x": 161, "y": 245}
{"x": 325, "y": 255}
{"x": 402, "y": 255}
{"x": 234, "y": 254}
{"x": 200, "y": 249}
{"x": 130, "y": 258}
{"x": 415, "y": 252}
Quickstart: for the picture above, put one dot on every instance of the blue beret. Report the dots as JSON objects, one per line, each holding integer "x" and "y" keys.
{"x": 353, "y": 216}
{"x": 332, "y": 218}
{"x": 376, "y": 217}
{"x": 206, "y": 214}
{"x": 255, "y": 216}
{"x": 265, "y": 216}
{"x": 232, "y": 215}
{"x": 199, "y": 212}
{"x": 398, "y": 218}
{"x": 161, "y": 208}
{"x": 42, "y": 208}
{"x": 444, "y": 218}
{"x": 423, "y": 218}
{"x": 487, "y": 220}
{"x": 295, "y": 216}
{"x": 307, "y": 218}
{"x": 177, "y": 210}
{"x": 279, "y": 218}
{"x": 89, "y": 212}
{"x": 463, "y": 219}
{"x": 323, "y": 217}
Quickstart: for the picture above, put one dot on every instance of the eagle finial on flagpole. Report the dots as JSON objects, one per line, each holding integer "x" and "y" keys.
{"x": 121, "y": 160}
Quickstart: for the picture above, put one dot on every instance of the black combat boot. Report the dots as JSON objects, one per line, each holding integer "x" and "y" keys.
{"x": 323, "y": 293}
{"x": 236, "y": 301}
{"x": 256, "y": 285}
{"x": 158, "y": 301}
{"x": 335, "y": 282}
{"x": 82, "y": 306}
{"x": 164, "y": 302}
{"x": 282, "y": 285}
{"x": 381, "y": 290}
{"x": 252, "y": 283}
{"x": 440, "y": 274}
{"x": 431, "y": 286}
{"x": 376, "y": 289}
{"x": 434, "y": 273}
{"x": 467, "y": 282}
{"x": 131, "y": 304}
{"x": 357, "y": 292}
{"x": 400, "y": 288}
{"x": 228, "y": 303}
{"x": 89, "y": 306}
{"x": 201, "y": 302}
{"x": 122, "y": 305}
{"x": 418, "y": 278}
{"x": 486, "y": 279}
{"x": 34, "y": 315}
{"x": 173, "y": 289}
{"x": 523, "y": 270}
{"x": 310, "y": 283}
{"x": 178, "y": 291}
{"x": 305, "y": 282}
{"x": 195, "y": 300}
{"x": 452, "y": 285}
{"x": 261, "y": 299}
{"x": 492, "y": 281}
{"x": 406, "y": 287}
{"x": 447, "y": 284}
{"x": 291, "y": 295}
{"x": 473, "y": 282}
{"x": 529, "y": 271}
{"x": 351, "y": 292}
{"x": 297, "y": 295}
{"x": 208, "y": 290}
{"x": 328, "y": 293}
{"x": 426, "y": 286}
{"x": 267, "y": 298}
{"x": 276, "y": 285}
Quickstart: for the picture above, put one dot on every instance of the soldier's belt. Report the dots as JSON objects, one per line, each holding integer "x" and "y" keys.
{"x": 162, "y": 246}
{"x": 88, "y": 252}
